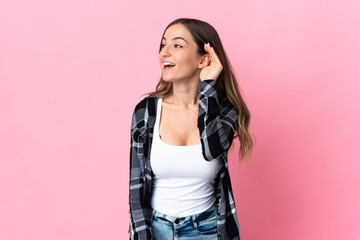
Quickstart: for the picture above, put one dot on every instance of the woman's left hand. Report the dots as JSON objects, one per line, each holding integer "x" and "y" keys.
{"x": 213, "y": 70}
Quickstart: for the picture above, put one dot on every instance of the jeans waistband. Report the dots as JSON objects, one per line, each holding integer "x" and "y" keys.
{"x": 176, "y": 220}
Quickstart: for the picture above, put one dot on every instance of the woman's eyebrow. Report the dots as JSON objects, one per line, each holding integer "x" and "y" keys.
{"x": 176, "y": 38}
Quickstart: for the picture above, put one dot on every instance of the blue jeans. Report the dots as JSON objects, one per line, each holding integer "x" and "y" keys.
{"x": 202, "y": 226}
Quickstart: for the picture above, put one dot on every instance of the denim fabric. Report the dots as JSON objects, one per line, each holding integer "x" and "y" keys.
{"x": 202, "y": 226}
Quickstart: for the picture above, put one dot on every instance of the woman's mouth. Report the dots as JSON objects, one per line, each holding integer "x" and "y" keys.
{"x": 168, "y": 65}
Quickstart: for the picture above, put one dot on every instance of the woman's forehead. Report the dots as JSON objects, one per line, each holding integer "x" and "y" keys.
{"x": 177, "y": 31}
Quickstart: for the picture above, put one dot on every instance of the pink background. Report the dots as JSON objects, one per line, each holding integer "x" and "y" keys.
{"x": 71, "y": 73}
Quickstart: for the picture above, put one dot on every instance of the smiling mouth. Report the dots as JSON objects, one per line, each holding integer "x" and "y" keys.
{"x": 168, "y": 66}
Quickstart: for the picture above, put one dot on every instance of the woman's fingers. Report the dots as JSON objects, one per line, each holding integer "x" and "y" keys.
{"x": 212, "y": 70}
{"x": 214, "y": 55}
{"x": 211, "y": 51}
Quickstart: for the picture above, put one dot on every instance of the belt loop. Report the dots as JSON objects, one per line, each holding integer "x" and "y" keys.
{"x": 194, "y": 220}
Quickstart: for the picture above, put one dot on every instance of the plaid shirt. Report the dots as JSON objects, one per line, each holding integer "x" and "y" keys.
{"x": 217, "y": 122}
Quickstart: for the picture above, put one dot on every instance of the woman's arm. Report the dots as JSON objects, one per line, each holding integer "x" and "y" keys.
{"x": 217, "y": 121}
{"x": 140, "y": 212}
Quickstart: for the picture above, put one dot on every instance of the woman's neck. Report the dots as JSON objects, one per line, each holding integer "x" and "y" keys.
{"x": 185, "y": 94}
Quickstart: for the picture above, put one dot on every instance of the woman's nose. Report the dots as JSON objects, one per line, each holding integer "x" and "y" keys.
{"x": 164, "y": 51}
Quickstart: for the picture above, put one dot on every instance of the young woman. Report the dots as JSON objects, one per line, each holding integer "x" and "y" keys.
{"x": 180, "y": 136}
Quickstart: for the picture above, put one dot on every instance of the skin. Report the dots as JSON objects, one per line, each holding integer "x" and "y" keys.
{"x": 178, "y": 121}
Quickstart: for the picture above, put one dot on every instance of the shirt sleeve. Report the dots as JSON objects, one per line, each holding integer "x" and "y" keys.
{"x": 140, "y": 213}
{"x": 217, "y": 121}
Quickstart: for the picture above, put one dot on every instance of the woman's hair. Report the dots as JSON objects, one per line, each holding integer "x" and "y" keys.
{"x": 202, "y": 33}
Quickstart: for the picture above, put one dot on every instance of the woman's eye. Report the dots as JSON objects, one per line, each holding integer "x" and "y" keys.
{"x": 162, "y": 45}
{"x": 178, "y": 46}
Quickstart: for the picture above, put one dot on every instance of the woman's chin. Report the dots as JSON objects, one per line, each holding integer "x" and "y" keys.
{"x": 167, "y": 79}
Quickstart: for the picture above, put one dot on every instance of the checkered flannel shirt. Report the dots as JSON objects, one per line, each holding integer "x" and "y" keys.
{"x": 217, "y": 122}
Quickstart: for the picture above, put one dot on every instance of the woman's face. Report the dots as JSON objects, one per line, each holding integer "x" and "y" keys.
{"x": 178, "y": 57}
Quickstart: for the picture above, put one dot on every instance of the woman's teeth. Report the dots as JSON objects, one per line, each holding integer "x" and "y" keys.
{"x": 167, "y": 64}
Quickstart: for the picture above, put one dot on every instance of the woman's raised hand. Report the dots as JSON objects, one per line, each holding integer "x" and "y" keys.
{"x": 213, "y": 70}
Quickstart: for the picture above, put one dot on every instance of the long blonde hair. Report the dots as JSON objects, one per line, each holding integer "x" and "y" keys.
{"x": 202, "y": 33}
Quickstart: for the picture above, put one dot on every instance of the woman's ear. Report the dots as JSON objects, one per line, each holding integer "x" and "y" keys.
{"x": 205, "y": 61}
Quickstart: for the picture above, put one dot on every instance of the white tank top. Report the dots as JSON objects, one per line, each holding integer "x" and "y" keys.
{"x": 184, "y": 180}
